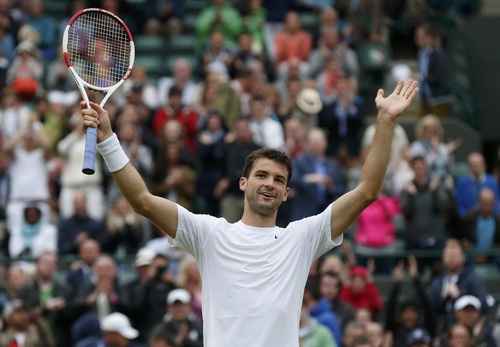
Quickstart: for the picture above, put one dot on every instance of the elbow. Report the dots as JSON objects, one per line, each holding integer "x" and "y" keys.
{"x": 141, "y": 204}
{"x": 368, "y": 195}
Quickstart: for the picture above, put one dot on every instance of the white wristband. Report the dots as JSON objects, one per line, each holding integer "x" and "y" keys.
{"x": 113, "y": 153}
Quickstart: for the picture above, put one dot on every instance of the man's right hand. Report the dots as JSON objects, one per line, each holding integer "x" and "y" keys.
{"x": 98, "y": 117}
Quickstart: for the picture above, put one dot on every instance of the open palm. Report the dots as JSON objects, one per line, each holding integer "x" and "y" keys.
{"x": 399, "y": 100}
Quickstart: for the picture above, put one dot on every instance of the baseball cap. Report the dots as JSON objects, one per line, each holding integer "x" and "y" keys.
{"x": 467, "y": 300}
{"x": 119, "y": 323}
{"x": 359, "y": 271}
{"x": 181, "y": 295}
{"x": 418, "y": 335}
{"x": 12, "y": 306}
{"x": 144, "y": 256}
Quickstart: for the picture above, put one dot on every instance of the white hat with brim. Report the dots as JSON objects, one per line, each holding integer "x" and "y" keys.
{"x": 309, "y": 101}
{"x": 181, "y": 295}
{"x": 467, "y": 300}
{"x": 145, "y": 256}
{"x": 119, "y": 323}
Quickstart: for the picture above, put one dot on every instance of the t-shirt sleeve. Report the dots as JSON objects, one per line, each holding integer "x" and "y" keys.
{"x": 317, "y": 230}
{"x": 193, "y": 230}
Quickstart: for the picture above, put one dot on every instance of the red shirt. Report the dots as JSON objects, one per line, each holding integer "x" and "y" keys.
{"x": 368, "y": 298}
{"x": 186, "y": 116}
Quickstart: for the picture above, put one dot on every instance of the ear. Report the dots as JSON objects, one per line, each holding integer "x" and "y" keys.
{"x": 243, "y": 183}
{"x": 285, "y": 196}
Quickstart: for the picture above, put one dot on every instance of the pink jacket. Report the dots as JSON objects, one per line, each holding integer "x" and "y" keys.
{"x": 375, "y": 224}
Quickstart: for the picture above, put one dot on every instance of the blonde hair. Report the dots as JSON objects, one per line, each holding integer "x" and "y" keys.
{"x": 426, "y": 121}
{"x": 182, "y": 278}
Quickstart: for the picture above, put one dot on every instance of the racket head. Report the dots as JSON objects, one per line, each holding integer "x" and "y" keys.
{"x": 98, "y": 48}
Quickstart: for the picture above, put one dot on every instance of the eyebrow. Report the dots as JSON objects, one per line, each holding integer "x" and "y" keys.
{"x": 268, "y": 173}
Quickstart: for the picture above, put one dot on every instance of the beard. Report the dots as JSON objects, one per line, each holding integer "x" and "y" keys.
{"x": 260, "y": 208}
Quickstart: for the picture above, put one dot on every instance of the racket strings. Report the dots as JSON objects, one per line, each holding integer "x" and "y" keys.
{"x": 99, "y": 49}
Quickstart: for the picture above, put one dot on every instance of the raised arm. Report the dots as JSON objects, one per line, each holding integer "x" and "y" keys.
{"x": 160, "y": 211}
{"x": 348, "y": 207}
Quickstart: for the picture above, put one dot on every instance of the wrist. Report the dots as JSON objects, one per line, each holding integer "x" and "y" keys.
{"x": 113, "y": 153}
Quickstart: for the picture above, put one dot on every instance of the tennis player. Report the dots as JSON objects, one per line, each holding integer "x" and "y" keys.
{"x": 254, "y": 272}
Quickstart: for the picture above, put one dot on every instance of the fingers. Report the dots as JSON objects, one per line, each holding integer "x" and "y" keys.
{"x": 410, "y": 89}
{"x": 398, "y": 88}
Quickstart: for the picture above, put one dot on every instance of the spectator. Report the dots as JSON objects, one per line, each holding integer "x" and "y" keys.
{"x": 117, "y": 331}
{"x": 455, "y": 279}
{"x": 45, "y": 25}
{"x": 148, "y": 95}
{"x": 295, "y": 136}
{"x": 330, "y": 44}
{"x": 419, "y": 338}
{"x": 88, "y": 251}
{"x": 14, "y": 114}
{"x": 362, "y": 291}
{"x": 29, "y": 150}
{"x": 480, "y": 228}
{"x": 145, "y": 297}
{"x": 458, "y": 336}
{"x": 164, "y": 17}
{"x": 292, "y": 42}
{"x": 327, "y": 79}
{"x": 9, "y": 290}
{"x": 375, "y": 334}
{"x": 429, "y": 144}
{"x": 469, "y": 186}
{"x": 210, "y": 151}
{"x": 415, "y": 312}
{"x": 185, "y": 115}
{"x": 311, "y": 333}
{"x": 173, "y": 134}
{"x": 316, "y": 179}
{"x": 51, "y": 297}
{"x": 319, "y": 309}
{"x": 182, "y": 79}
{"x": 253, "y": 24}
{"x": 267, "y": 132}
{"x": 468, "y": 313}
{"x": 243, "y": 84}
{"x": 173, "y": 179}
{"x": 363, "y": 316}
{"x": 375, "y": 231}
{"x": 33, "y": 236}
{"x": 26, "y": 71}
{"x": 433, "y": 68}
{"x": 352, "y": 331}
{"x": 180, "y": 322}
{"x": 78, "y": 227}
{"x": 123, "y": 235}
{"x": 216, "y": 51}
{"x": 343, "y": 120}
{"x": 124, "y": 11}
{"x": 101, "y": 296}
{"x": 189, "y": 279}
{"x": 227, "y": 189}
{"x": 72, "y": 148}
{"x": 221, "y": 16}
{"x": 25, "y": 328}
{"x": 329, "y": 287}
{"x": 423, "y": 202}
{"x": 160, "y": 338}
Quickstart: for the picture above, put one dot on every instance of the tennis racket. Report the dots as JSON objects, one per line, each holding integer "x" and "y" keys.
{"x": 99, "y": 53}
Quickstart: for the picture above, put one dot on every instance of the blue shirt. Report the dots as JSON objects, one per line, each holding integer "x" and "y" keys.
{"x": 485, "y": 233}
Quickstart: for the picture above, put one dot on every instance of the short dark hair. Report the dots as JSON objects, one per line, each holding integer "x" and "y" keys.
{"x": 271, "y": 154}
{"x": 160, "y": 334}
{"x": 174, "y": 91}
{"x": 361, "y": 341}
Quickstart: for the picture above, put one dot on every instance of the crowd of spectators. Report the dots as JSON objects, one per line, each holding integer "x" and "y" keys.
{"x": 81, "y": 268}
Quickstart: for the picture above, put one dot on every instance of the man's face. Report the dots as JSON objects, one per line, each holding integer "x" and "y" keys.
{"x": 47, "y": 265}
{"x": 476, "y": 165}
{"x": 114, "y": 339}
{"x": 179, "y": 311}
{"x": 453, "y": 258}
{"x": 89, "y": 252}
{"x": 409, "y": 317}
{"x": 266, "y": 187}
{"x": 468, "y": 316}
{"x": 329, "y": 287}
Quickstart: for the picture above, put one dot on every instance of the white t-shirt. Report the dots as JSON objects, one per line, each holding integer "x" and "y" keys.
{"x": 253, "y": 278}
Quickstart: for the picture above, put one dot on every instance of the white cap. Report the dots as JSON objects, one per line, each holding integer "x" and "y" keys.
{"x": 309, "y": 101}
{"x": 144, "y": 256}
{"x": 181, "y": 295}
{"x": 467, "y": 300}
{"x": 119, "y": 323}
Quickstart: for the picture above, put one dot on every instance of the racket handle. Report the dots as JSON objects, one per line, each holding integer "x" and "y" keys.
{"x": 90, "y": 148}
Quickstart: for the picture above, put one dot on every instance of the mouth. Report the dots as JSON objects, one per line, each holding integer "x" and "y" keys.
{"x": 266, "y": 195}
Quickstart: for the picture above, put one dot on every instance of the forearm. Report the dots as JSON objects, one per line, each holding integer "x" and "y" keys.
{"x": 375, "y": 167}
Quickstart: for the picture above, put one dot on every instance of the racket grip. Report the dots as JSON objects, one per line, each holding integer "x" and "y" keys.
{"x": 90, "y": 148}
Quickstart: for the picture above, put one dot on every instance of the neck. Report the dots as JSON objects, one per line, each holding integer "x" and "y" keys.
{"x": 257, "y": 220}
